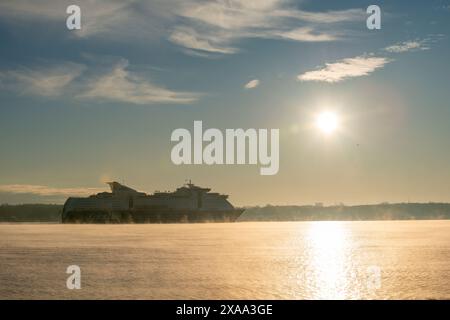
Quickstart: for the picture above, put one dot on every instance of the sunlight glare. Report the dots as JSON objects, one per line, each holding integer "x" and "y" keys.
{"x": 327, "y": 122}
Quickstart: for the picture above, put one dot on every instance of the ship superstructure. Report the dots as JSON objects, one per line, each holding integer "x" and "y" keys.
{"x": 189, "y": 203}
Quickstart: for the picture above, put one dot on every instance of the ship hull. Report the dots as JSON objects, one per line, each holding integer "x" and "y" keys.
{"x": 151, "y": 216}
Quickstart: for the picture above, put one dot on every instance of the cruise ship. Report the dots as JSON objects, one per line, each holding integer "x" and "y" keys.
{"x": 188, "y": 204}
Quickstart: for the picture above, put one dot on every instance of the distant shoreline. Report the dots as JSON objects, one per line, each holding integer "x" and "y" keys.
{"x": 202, "y": 223}
{"x": 44, "y": 213}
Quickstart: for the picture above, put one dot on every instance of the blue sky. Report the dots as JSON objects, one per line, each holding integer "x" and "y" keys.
{"x": 78, "y": 108}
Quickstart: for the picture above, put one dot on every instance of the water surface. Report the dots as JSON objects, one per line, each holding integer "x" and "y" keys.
{"x": 252, "y": 260}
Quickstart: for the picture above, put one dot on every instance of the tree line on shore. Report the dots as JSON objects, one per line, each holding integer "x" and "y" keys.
{"x": 385, "y": 211}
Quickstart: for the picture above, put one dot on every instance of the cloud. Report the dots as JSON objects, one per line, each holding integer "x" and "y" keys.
{"x": 337, "y": 16}
{"x": 47, "y": 191}
{"x": 307, "y": 34}
{"x": 189, "y": 38}
{"x": 252, "y": 84}
{"x": 364, "y": 65}
{"x": 216, "y": 26}
{"x": 408, "y": 46}
{"x": 415, "y": 45}
{"x": 118, "y": 19}
{"x": 45, "y": 81}
{"x": 123, "y": 86}
{"x": 344, "y": 69}
{"x": 206, "y": 27}
{"x": 118, "y": 84}
{"x": 242, "y": 14}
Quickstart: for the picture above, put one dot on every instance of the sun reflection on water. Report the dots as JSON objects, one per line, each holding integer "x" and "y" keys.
{"x": 330, "y": 263}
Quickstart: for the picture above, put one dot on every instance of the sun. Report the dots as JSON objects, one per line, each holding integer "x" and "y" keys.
{"x": 327, "y": 122}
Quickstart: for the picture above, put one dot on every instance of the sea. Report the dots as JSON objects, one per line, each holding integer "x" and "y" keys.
{"x": 243, "y": 260}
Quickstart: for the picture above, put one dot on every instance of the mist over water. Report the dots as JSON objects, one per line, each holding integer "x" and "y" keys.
{"x": 251, "y": 260}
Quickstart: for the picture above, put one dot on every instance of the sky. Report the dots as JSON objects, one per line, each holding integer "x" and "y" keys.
{"x": 82, "y": 107}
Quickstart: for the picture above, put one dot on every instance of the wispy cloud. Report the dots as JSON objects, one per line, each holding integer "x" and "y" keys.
{"x": 307, "y": 34}
{"x": 45, "y": 81}
{"x": 117, "y": 84}
{"x": 47, "y": 191}
{"x": 345, "y": 69}
{"x": 209, "y": 42}
{"x": 199, "y": 27}
{"x": 408, "y": 46}
{"x": 366, "y": 64}
{"x": 124, "y": 86}
{"x": 252, "y": 84}
{"x": 325, "y": 17}
{"x": 415, "y": 45}
{"x": 105, "y": 18}
{"x": 217, "y": 26}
